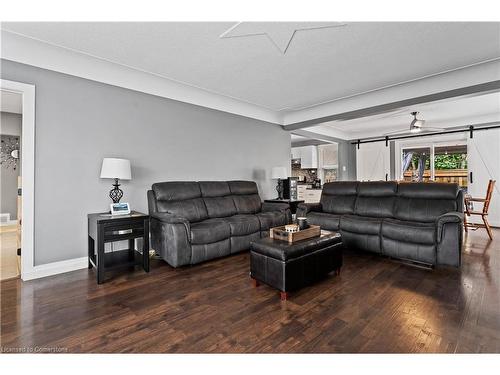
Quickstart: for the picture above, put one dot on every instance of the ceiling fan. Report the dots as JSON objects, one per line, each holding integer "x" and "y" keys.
{"x": 416, "y": 126}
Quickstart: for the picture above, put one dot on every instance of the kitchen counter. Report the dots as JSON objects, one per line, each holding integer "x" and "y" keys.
{"x": 308, "y": 193}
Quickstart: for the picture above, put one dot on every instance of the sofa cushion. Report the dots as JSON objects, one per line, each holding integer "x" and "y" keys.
{"x": 271, "y": 219}
{"x": 409, "y": 231}
{"x": 217, "y": 198}
{"x": 214, "y": 188}
{"x": 220, "y": 206}
{"x": 247, "y": 204}
{"x": 182, "y": 199}
{"x": 324, "y": 220}
{"x": 434, "y": 190}
{"x": 376, "y": 199}
{"x": 425, "y": 202}
{"x": 176, "y": 190}
{"x": 361, "y": 224}
{"x": 209, "y": 231}
{"x": 193, "y": 210}
{"x": 339, "y": 197}
{"x": 243, "y": 187}
{"x": 245, "y": 196}
{"x": 422, "y": 210}
{"x": 241, "y": 225}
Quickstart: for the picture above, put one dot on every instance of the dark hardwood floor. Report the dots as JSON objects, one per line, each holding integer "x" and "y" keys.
{"x": 375, "y": 305}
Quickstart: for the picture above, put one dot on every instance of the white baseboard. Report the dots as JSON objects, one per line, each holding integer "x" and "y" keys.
{"x": 55, "y": 268}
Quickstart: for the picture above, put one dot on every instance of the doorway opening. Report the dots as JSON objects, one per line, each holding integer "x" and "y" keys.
{"x": 25, "y": 199}
{"x": 11, "y": 183}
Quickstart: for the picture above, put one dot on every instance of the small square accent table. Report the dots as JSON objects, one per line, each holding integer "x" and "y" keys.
{"x": 290, "y": 266}
{"x": 103, "y": 228}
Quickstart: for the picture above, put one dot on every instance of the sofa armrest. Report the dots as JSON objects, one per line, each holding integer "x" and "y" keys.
{"x": 304, "y": 208}
{"x": 449, "y": 229}
{"x": 447, "y": 218}
{"x": 171, "y": 238}
{"x": 169, "y": 218}
{"x": 275, "y": 206}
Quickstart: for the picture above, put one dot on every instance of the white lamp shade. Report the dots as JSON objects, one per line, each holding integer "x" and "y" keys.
{"x": 116, "y": 168}
{"x": 278, "y": 173}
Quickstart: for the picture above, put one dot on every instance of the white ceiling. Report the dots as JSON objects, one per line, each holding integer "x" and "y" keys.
{"x": 11, "y": 102}
{"x": 319, "y": 65}
{"x": 443, "y": 114}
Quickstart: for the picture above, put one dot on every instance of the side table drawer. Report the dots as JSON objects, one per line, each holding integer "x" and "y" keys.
{"x": 118, "y": 232}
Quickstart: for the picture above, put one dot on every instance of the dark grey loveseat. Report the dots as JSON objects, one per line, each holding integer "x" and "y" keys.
{"x": 192, "y": 222}
{"x": 420, "y": 222}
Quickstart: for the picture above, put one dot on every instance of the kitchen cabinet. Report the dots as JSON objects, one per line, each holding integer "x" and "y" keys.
{"x": 301, "y": 191}
{"x": 328, "y": 156}
{"x": 312, "y": 195}
{"x": 308, "y": 156}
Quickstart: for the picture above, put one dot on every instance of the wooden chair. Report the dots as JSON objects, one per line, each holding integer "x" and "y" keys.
{"x": 484, "y": 213}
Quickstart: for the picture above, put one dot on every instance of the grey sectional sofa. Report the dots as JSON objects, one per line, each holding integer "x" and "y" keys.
{"x": 192, "y": 222}
{"x": 419, "y": 222}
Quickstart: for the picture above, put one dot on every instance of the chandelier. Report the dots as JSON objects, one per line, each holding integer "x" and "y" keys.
{"x": 9, "y": 151}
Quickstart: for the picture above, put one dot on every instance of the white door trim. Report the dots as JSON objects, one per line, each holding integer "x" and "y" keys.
{"x": 28, "y": 172}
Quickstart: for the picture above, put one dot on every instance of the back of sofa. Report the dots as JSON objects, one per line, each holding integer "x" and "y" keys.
{"x": 420, "y": 202}
{"x": 376, "y": 199}
{"x": 218, "y": 199}
{"x": 245, "y": 196}
{"x": 425, "y": 202}
{"x": 181, "y": 198}
{"x": 197, "y": 201}
{"x": 339, "y": 197}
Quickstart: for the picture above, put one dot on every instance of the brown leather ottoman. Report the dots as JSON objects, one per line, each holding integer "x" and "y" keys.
{"x": 290, "y": 266}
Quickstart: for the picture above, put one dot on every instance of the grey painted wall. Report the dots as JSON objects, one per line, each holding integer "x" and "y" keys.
{"x": 78, "y": 122}
{"x": 347, "y": 159}
{"x": 392, "y": 152}
{"x": 10, "y": 124}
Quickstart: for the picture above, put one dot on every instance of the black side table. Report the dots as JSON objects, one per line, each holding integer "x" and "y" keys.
{"x": 102, "y": 228}
{"x": 293, "y": 203}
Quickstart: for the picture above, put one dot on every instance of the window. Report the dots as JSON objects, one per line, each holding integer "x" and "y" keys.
{"x": 438, "y": 163}
{"x": 416, "y": 164}
{"x": 450, "y": 164}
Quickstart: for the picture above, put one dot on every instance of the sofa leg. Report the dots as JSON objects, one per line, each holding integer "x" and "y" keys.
{"x": 284, "y": 296}
{"x": 255, "y": 283}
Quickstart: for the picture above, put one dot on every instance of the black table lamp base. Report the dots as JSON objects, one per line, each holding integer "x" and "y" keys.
{"x": 279, "y": 188}
{"x": 116, "y": 193}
